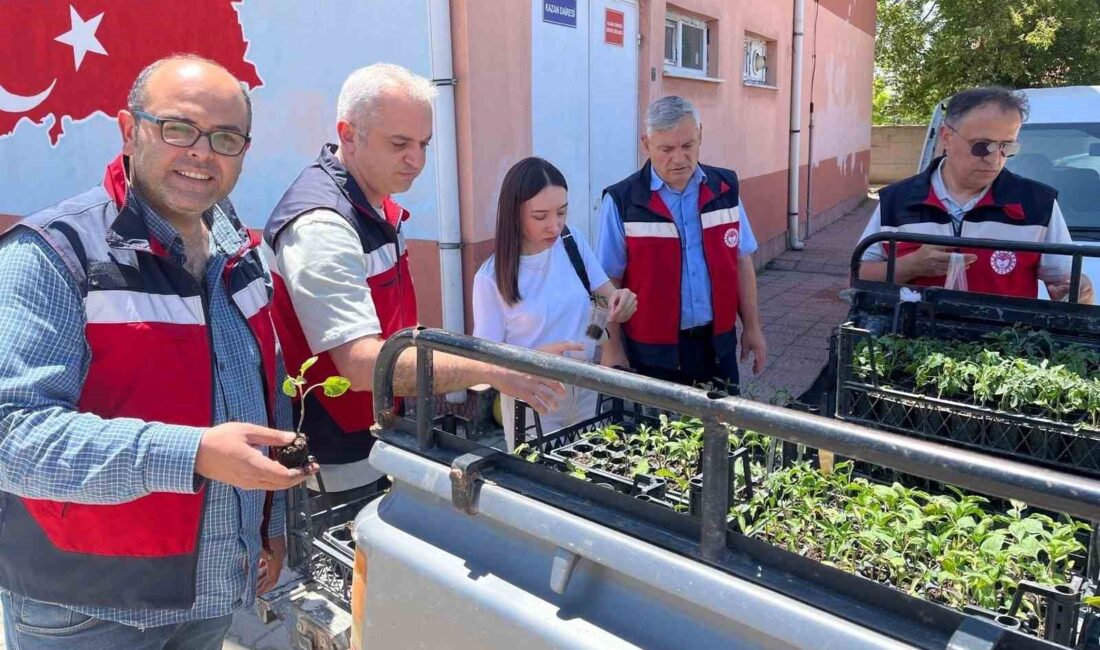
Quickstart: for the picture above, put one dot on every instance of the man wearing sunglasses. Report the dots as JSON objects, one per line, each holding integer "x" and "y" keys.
{"x": 967, "y": 192}
{"x": 138, "y": 389}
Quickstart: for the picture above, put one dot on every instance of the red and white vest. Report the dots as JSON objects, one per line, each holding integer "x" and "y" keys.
{"x": 654, "y": 265}
{"x": 1015, "y": 209}
{"x": 151, "y": 359}
{"x": 339, "y": 428}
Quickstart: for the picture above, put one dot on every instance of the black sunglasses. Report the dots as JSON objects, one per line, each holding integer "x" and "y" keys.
{"x": 982, "y": 148}
{"x": 184, "y": 134}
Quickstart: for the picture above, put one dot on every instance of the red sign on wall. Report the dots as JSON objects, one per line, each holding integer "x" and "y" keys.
{"x": 614, "y": 24}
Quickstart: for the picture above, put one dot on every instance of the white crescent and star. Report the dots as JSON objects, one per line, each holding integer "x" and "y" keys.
{"x": 81, "y": 37}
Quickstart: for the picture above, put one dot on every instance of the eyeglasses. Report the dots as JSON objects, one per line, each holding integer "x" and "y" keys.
{"x": 982, "y": 148}
{"x": 184, "y": 134}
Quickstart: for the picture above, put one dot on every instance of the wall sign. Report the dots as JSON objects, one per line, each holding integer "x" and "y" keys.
{"x": 614, "y": 24}
{"x": 560, "y": 12}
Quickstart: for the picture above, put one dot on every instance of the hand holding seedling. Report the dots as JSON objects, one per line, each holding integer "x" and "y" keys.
{"x": 228, "y": 453}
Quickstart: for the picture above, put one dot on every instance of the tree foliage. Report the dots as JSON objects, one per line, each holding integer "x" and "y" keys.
{"x": 928, "y": 49}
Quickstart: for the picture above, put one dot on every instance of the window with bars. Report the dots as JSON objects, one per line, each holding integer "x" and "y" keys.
{"x": 757, "y": 69}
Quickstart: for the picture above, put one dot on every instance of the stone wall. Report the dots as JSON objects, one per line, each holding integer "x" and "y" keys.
{"x": 895, "y": 152}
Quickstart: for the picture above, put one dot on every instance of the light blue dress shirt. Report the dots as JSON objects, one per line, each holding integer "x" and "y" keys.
{"x": 695, "y": 303}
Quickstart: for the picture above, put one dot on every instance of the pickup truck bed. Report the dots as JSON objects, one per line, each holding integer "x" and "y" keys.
{"x": 521, "y": 573}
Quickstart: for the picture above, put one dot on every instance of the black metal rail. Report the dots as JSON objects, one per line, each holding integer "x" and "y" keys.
{"x": 1053, "y": 490}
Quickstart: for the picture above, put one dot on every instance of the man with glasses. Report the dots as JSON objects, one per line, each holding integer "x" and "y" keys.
{"x": 967, "y": 192}
{"x": 138, "y": 381}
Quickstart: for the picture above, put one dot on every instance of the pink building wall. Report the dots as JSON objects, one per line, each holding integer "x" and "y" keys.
{"x": 491, "y": 44}
{"x": 745, "y": 127}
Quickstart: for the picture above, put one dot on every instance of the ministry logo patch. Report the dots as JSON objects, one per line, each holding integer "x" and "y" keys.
{"x": 1003, "y": 262}
{"x": 732, "y": 238}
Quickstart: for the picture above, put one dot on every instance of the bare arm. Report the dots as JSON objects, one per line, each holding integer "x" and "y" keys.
{"x": 612, "y": 353}
{"x": 752, "y": 335}
{"x": 356, "y": 361}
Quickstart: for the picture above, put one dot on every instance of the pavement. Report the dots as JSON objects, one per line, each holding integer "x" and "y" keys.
{"x": 800, "y": 304}
{"x": 799, "y": 300}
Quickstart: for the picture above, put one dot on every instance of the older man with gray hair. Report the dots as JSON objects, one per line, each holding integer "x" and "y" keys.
{"x": 676, "y": 214}
{"x": 342, "y": 272}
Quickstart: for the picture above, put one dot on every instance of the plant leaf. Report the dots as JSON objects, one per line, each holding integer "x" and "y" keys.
{"x": 289, "y": 387}
{"x": 993, "y": 543}
{"x": 306, "y": 365}
{"x": 336, "y": 386}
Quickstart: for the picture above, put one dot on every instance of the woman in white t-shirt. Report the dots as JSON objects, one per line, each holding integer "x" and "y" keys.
{"x": 530, "y": 293}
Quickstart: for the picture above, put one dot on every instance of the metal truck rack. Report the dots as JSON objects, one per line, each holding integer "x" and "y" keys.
{"x": 707, "y": 537}
{"x": 857, "y": 395}
{"x": 878, "y": 309}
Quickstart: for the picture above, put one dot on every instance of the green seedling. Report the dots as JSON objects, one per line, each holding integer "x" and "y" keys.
{"x": 1014, "y": 370}
{"x": 296, "y": 454}
{"x": 945, "y": 548}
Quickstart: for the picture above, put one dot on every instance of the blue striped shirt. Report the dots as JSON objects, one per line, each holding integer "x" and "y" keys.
{"x": 49, "y": 450}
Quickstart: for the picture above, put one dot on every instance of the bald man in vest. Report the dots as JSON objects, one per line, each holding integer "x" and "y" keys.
{"x": 336, "y": 242}
{"x": 676, "y": 234}
{"x": 138, "y": 382}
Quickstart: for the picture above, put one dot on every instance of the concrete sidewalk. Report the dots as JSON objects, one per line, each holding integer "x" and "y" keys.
{"x": 800, "y": 305}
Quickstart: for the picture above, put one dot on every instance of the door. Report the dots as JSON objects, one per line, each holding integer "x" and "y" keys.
{"x": 613, "y": 90}
{"x": 584, "y": 98}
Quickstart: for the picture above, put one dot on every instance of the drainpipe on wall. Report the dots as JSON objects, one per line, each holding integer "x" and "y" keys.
{"x": 793, "y": 241}
{"x": 810, "y": 166}
{"x": 444, "y": 141}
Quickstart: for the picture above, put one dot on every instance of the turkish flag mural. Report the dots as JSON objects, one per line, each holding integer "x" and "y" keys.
{"x": 66, "y": 67}
{"x": 72, "y": 58}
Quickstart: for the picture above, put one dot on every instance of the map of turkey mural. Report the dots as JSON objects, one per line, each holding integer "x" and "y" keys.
{"x": 74, "y": 58}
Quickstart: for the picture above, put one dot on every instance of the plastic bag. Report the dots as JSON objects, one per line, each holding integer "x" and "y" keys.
{"x": 956, "y": 273}
{"x": 597, "y": 323}
{"x": 595, "y": 334}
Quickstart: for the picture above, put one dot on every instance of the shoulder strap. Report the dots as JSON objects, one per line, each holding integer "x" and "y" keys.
{"x": 575, "y": 257}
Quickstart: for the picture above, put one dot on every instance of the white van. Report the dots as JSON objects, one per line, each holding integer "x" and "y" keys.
{"x": 1061, "y": 148}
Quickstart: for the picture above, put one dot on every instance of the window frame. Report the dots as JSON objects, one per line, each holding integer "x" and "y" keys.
{"x": 676, "y": 65}
{"x": 747, "y": 75}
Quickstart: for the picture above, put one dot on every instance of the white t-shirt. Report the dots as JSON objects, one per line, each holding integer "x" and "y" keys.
{"x": 321, "y": 260}
{"x": 553, "y": 306}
